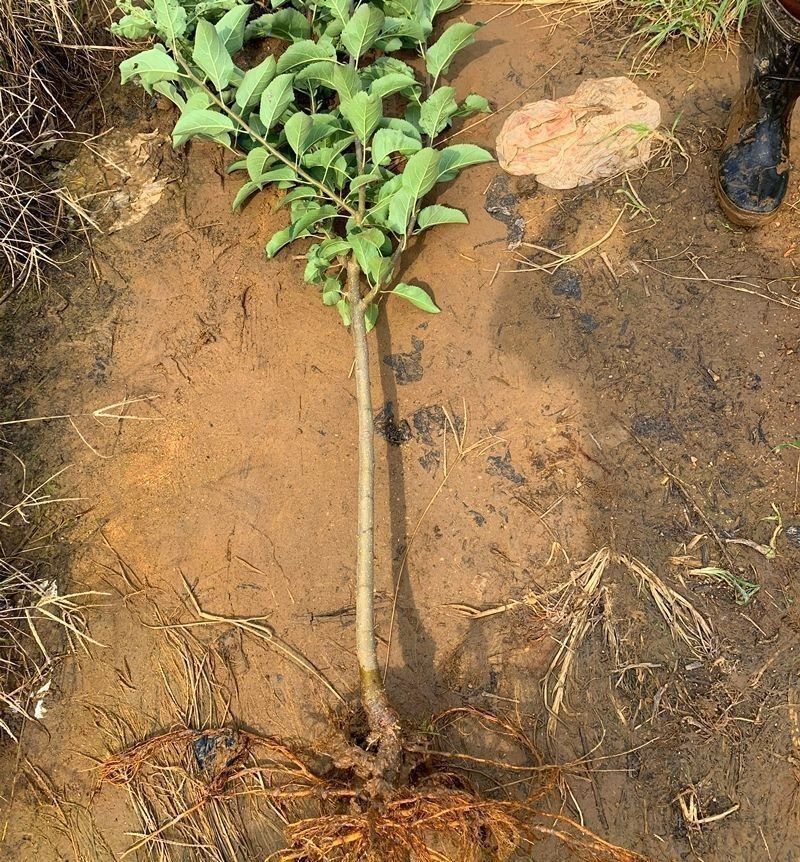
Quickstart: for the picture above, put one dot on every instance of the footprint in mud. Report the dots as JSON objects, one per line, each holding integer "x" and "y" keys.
{"x": 501, "y": 203}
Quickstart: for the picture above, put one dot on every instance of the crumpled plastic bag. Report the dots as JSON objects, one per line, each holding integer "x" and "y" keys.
{"x": 604, "y": 128}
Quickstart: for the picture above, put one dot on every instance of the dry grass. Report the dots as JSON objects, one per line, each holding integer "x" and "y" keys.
{"x": 42, "y": 61}
{"x": 38, "y": 623}
{"x": 652, "y": 23}
{"x": 573, "y": 609}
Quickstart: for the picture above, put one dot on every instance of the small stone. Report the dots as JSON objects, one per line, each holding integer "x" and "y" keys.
{"x": 792, "y": 533}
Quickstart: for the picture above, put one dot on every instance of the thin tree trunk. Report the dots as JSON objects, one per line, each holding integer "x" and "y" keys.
{"x": 381, "y": 716}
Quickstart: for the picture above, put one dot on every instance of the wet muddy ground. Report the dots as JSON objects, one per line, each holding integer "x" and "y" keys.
{"x": 632, "y": 400}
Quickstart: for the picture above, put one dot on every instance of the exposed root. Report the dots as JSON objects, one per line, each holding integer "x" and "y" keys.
{"x": 438, "y": 815}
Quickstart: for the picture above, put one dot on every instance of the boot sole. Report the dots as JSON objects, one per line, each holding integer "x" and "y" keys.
{"x": 740, "y": 217}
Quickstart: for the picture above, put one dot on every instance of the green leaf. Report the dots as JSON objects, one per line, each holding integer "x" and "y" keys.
{"x": 231, "y": 28}
{"x": 256, "y": 162}
{"x": 338, "y": 171}
{"x": 394, "y": 82}
{"x": 276, "y": 175}
{"x": 316, "y": 265}
{"x": 379, "y": 212}
{"x": 389, "y": 45}
{"x": 246, "y": 191}
{"x": 286, "y": 24}
{"x": 367, "y": 246}
{"x": 363, "y": 112}
{"x": 138, "y": 24}
{"x": 343, "y": 307}
{"x": 388, "y": 141}
{"x": 150, "y": 67}
{"x": 362, "y": 30}
{"x": 458, "y": 156}
{"x": 275, "y": 99}
{"x": 474, "y": 104}
{"x": 170, "y": 19}
{"x": 340, "y": 9}
{"x": 371, "y": 316}
{"x": 441, "y": 53}
{"x": 384, "y": 66}
{"x": 331, "y": 291}
{"x": 421, "y": 172}
{"x": 401, "y": 208}
{"x": 255, "y": 81}
{"x": 346, "y": 82}
{"x": 302, "y": 53}
{"x": 297, "y": 130}
{"x": 312, "y": 217}
{"x": 211, "y": 55}
{"x": 436, "y": 7}
{"x": 202, "y": 123}
{"x": 298, "y": 229}
{"x": 403, "y": 8}
{"x": 437, "y": 111}
{"x": 321, "y": 72}
{"x": 416, "y": 296}
{"x": 438, "y": 214}
{"x": 406, "y": 28}
{"x": 332, "y": 248}
{"x": 299, "y": 193}
{"x": 278, "y": 241}
{"x": 364, "y": 180}
{"x": 212, "y": 9}
{"x": 239, "y": 165}
{"x": 402, "y": 125}
{"x": 171, "y": 92}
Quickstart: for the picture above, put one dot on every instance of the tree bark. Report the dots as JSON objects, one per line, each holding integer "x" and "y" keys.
{"x": 381, "y": 717}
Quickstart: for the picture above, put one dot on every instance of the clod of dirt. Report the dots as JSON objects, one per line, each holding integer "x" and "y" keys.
{"x": 215, "y": 749}
{"x": 604, "y": 128}
{"x": 567, "y": 282}
{"x": 792, "y": 533}
{"x": 407, "y": 367}
{"x": 392, "y": 431}
{"x": 500, "y": 465}
{"x": 658, "y": 427}
{"x": 501, "y": 204}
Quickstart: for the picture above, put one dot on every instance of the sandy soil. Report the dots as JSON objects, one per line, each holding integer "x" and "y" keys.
{"x": 240, "y": 481}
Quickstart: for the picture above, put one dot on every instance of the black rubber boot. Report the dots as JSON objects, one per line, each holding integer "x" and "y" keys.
{"x": 753, "y": 171}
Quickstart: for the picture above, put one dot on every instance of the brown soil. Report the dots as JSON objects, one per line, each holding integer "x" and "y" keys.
{"x": 244, "y": 485}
